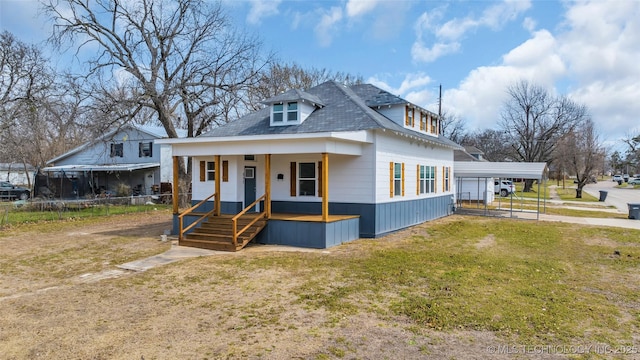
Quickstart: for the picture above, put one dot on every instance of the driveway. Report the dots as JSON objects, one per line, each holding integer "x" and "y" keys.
{"x": 615, "y": 196}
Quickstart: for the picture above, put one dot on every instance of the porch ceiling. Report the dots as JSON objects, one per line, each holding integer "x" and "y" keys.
{"x": 332, "y": 143}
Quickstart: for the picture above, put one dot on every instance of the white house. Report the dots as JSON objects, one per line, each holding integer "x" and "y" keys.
{"x": 17, "y": 173}
{"x": 327, "y": 165}
{"x": 124, "y": 156}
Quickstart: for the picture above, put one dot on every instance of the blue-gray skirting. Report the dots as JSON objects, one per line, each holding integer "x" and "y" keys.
{"x": 374, "y": 219}
{"x": 309, "y": 234}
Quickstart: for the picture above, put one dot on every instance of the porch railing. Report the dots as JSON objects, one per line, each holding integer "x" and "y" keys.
{"x": 189, "y": 211}
{"x": 234, "y": 220}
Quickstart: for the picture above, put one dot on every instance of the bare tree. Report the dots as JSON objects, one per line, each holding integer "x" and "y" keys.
{"x": 582, "y": 154}
{"x": 179, "y": 58}
{"x": 632, "y": 154}
{"x": 25, "y": 84}
{"x": 452, "y": 127}
{"x": 493, "y": 143}
{"x": 280, "y": 77}
{"x": 534, "y": 122}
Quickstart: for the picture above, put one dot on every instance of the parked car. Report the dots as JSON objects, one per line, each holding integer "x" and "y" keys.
{"x": 504, "y": 187}
{"x": 625, "y": 177}
{"x": 9, "y": 191}
{"x": 617, "y": 178}
{"x": 635, "y": 181}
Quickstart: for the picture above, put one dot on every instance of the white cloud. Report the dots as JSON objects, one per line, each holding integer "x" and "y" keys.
{"x": 593, "y": 58}
{"x": 360, "y": 7}
{"x": 424, "y": 54}
{"x": 327, "y": 28}
{"x": 261, "y": 9}
{"x": 601, "y": 46}
{"x": 447, "y": 35}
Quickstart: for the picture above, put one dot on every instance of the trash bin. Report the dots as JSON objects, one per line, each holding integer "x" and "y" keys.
{"x": 603, "y": 195}
{"x": 634, "y": 211}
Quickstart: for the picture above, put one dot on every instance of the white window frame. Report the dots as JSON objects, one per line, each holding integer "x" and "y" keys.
{"x": 427, "y": 179}
{"x": 397, "y": 179}
{"x": 279, "y": 112}
{"x": 210, "y": 171}
{"x": 291, "y": 111}
{"x": 307, "y": 179}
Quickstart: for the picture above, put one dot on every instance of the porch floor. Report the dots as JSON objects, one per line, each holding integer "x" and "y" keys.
{"x": 310, "y": 218}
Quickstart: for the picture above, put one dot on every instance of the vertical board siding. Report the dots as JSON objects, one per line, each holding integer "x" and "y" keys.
{"x": 306, "y": 234}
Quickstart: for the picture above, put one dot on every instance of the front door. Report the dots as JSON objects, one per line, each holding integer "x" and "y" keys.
{"x": 250, "y": 186}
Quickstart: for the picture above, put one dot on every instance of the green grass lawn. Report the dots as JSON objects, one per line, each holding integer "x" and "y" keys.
{"x": 531, "y": 282}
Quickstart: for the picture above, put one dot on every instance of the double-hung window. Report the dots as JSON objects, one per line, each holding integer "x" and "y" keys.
{"x": 427, "y": 179}
{"x": 447, "y": 178}
{"x": 396, "y": 179}
{"x": 117, "y": 150}
{"x": 145, "y": 149}
{"x": 307, "y": 179}
{"x": 278, "y": 113}
{"x": 292, "y": 111}
{"x": 211, "y": 171}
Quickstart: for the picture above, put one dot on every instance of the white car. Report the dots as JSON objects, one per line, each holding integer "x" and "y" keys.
{"x": 617, "y": 178}
{"x": 504, "y": 188}
{"x": 634, "y": 181}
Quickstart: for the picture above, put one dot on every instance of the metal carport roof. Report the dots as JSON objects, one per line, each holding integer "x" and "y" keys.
{"x": 503, "y": 170}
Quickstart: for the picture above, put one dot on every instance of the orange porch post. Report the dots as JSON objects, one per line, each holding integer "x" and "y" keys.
{"x": 218, "y": 172}
{"x": 267, "y": 185}
{"x": 325, "y": 187}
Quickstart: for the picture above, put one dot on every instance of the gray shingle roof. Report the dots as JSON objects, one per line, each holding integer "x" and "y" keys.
{"x": 346, "y": 109}
{"x": 294, "y": 95}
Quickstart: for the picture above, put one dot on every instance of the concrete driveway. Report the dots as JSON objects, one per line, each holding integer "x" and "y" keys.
{"x": 615, "y": 197}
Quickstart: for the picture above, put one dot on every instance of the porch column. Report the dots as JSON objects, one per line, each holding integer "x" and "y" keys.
{"x": 267, "y": 185}
{"x": 218, "y": 167}
{"x": 325, "y": 187}
{"x": 175, "y": 194}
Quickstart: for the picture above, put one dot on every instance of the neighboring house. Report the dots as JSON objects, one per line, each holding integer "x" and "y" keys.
{"x": 472, "y": 189}
{"x": 327, "y": 165}
{"x": 125, "y": 160}
{"x": 17, "y": 173}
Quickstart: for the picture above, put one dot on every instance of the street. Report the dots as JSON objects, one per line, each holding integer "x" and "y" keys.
{"x": 615, "y": 196}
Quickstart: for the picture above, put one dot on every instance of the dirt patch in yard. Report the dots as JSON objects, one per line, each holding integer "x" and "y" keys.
{"x": 225, "y": 306}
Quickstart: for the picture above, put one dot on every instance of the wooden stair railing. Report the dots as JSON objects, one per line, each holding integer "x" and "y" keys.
{"x": 189, "y": 211}
{"x": 234, "y": 220}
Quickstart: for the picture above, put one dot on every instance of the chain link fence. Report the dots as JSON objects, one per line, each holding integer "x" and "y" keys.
{"x": 38, "y": 210}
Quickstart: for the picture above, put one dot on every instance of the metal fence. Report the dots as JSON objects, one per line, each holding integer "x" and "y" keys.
{"x": 37, "y": 210}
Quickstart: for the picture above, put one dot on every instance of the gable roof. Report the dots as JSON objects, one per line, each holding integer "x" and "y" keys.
{"x": 345, "y": 109}
{"x": 157, "y": 132}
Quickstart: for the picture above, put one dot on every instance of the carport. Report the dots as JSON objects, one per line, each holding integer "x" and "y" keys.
{"x": 484, "y": 173}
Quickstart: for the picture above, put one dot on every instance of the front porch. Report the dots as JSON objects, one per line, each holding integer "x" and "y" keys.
{"x": 222, "y": 225}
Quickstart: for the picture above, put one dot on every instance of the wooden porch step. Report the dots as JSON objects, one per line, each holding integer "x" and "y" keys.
{"x": 216, "y": 233}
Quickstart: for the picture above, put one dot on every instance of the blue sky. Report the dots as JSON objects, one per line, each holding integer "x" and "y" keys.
{"x": 587, "y": 50}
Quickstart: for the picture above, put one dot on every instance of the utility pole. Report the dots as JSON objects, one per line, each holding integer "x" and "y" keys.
{"x": 440, "y": 109}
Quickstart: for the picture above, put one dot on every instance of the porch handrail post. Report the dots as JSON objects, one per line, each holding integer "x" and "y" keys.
{"x": 325, "y": 187}
{"x": 174, "y": 190}
{"x": 267, "y": 185}
{"x": 217, "y": 181}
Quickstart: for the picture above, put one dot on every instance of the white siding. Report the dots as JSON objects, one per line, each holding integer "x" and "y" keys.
{"x": 411, "y": 152}
{"x": 99, "y": 153}
{"x": 474, "y": 189}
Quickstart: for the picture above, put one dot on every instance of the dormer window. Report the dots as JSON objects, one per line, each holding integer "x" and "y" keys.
{"x": 292, "y": 107}
{"x": 278, "y": 113}
{"x": 286, "y": 116}
{"x": 292, "y": 111}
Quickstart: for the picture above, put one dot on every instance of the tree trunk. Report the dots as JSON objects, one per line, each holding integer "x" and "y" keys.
{"x": 579, "y": 193}
{"x": 528, "y": 185}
